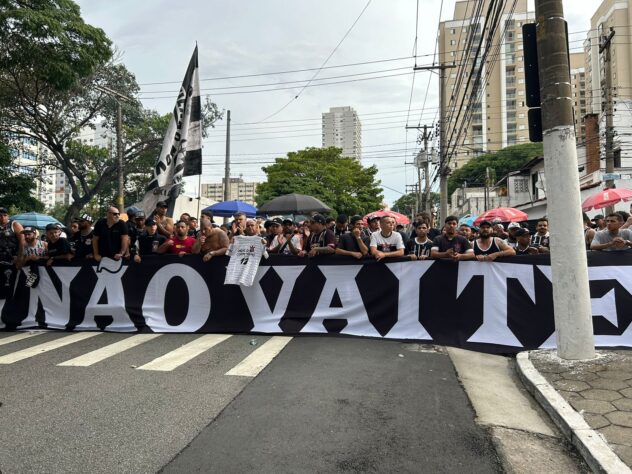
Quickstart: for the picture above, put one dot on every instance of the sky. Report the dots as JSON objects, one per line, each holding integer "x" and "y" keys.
{"x": 156, "y": 38}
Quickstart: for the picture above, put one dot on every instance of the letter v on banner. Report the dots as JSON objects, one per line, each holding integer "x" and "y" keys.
{"x": 181, "y": 153}
{"x": 494, "y": 327}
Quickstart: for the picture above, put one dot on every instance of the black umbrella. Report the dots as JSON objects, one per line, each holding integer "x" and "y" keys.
{"x": 293, "y": 204}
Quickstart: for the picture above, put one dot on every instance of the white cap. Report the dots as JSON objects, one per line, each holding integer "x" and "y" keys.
{"x": 513, "y": 225}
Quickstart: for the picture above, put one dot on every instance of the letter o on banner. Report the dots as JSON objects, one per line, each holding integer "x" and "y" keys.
{"x": 199, "y": 299}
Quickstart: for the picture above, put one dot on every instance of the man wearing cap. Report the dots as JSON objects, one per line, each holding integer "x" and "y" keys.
{"x": 135, "y": 227}
{"x": 58, "y": 247}
{"x": 286, "y": 241}
{"x": 354, "y": 244}
{"x": 450, "y": 244}
{"x": 81, "y": 241}
{"x": 373, "y": 223}
{"x": 523, "y": 243}
{"x": 34, "y": 250}
{"x": 322, "y": 241}
{"x": 163, "y": 223}
{"x": 148, "y": 241}
{"x": 511, "y": 229}
{"x": 600, "y": 223}
{"x": 110, "y": 237}
{"x": 489, "y": 248}
{"x": 386, "y": 242}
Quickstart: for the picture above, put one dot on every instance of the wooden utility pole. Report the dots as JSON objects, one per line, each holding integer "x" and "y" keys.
{"x": 607, "y": 108}
{"x": 444, "y": 169}
{"x": 571, "y": 292}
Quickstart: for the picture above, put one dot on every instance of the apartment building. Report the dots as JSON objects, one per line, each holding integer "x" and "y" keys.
{"x": 578, "y": 85}
{"x": 498, "y": 109}
{"x": 615, "y": 15}
{"x": 240, "y": 190}
{"x": 342, "y": 129}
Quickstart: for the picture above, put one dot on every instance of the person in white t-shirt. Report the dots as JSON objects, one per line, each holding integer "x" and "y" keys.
{"x": 386, "y": 243}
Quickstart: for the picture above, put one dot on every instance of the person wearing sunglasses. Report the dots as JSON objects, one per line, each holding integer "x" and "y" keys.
{"x": 111, "y": 237}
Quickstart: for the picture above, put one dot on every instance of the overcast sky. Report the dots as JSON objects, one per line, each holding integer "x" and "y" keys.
{"x": 236, "y": 38}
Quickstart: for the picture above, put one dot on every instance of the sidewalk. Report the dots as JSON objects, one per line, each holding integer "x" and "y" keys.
{"x": 600, "y": 390}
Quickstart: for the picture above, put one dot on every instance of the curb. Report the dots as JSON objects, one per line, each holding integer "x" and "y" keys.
{"x": 588, "y": 442}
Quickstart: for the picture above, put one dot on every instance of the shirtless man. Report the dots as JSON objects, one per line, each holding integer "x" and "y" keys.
{"x": 211, "y": 242}
{"x": 164, "y": 223}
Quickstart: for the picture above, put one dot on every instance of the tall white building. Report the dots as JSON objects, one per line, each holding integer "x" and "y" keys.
{"x": 342, "y": 129}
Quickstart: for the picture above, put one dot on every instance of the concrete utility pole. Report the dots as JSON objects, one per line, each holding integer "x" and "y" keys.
{"x": 607, "y": 108}
{"x": 444, "y": 169}
{"x": 571, "y": 293}
{"x": 227, "y": 165}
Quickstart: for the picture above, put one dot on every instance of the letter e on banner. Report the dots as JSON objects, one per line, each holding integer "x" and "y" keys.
{"x": 154, "y": 301}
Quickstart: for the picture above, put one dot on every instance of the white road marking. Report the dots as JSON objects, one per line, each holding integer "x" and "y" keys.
{"x": 257, "y": 360}
{"x": 183, "y": 354}
{"x": 109, "y": 351}
{"x": 18, "y": 337}
{"x": 46, "y": 347}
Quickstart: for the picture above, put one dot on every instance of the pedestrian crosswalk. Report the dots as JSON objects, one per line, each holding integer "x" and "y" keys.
{"x": 252, "y": 364}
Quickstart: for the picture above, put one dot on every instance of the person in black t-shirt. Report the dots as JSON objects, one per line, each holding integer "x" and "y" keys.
{"x": 135, "y": 227}
{"x": 322, "y": 241}
{"x": 81, "y": 241}
{"x": 148, "y": 241}
{"x": 419, "y": 248}
{"x": 110, "y": 237}
{"x": 354, "y": 243}
{"x": 58, "y": 247}
{"x": 424, "y": 217}
{"x": 451, "y": 245}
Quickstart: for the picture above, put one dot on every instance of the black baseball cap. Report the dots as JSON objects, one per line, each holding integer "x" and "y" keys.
{"x": 276, "y": 220}
{"x": 53, "y": 226}
{"x": 598, "y": 216}
{"x": 288, "y": 222}
{"x": 139, "y": 215}
{"x": 3, "y": 210}
{"x": 486, "y": 223}
{"x": 319, "y": 219}
{"x": 522, "y": 231}
{"x": 372, "y": 218}
{"x": 161, "y": 204}
{"x": 150, "y": 221}
{"x": 85, "y": 217}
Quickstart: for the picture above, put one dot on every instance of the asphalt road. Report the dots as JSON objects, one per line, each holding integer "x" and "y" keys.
{"x": 322, "y": 405}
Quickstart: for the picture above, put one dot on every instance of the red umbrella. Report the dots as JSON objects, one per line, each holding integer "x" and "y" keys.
{"x": 399, "y": 218}
{"x": 607, "y": 197}
{"x": 505, "y": 214}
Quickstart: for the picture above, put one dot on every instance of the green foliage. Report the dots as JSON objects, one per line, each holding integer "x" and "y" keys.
{"x": 407, "y": 202}
{"x": 340, "y": 182}
{"x": 48, "y": 41}
{"x": 15, "y": 187}
{"x": 501, "y": 162}
{"x": 54, "y": 73}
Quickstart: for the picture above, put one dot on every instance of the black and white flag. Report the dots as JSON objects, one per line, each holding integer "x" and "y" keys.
{"x": 181, "y": 153}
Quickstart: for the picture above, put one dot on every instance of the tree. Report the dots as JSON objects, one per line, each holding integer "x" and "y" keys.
{"x": 16, "y": 188}
{"x": 340, "y": 182}
{"x": 53, "y": 68}
{"x": 407, "y": 202}
{"x": 501, "y": 162}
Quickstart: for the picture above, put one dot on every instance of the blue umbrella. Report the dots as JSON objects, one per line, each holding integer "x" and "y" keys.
{"x": 228, "y": 208}
{"x": 467, "y": 220}
{"x": 35, "y": 219}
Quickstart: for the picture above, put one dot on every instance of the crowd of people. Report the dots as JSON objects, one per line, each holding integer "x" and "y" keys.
{"x": 376, "y": 237}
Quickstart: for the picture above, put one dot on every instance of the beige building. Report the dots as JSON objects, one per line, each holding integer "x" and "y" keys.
{"x": 498, "y": 111}
{"x": 615, "y": 14}
{"x": 240, "y": 190}
{"x": 342, "y": 129}
{"x": 578, "y": 85}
